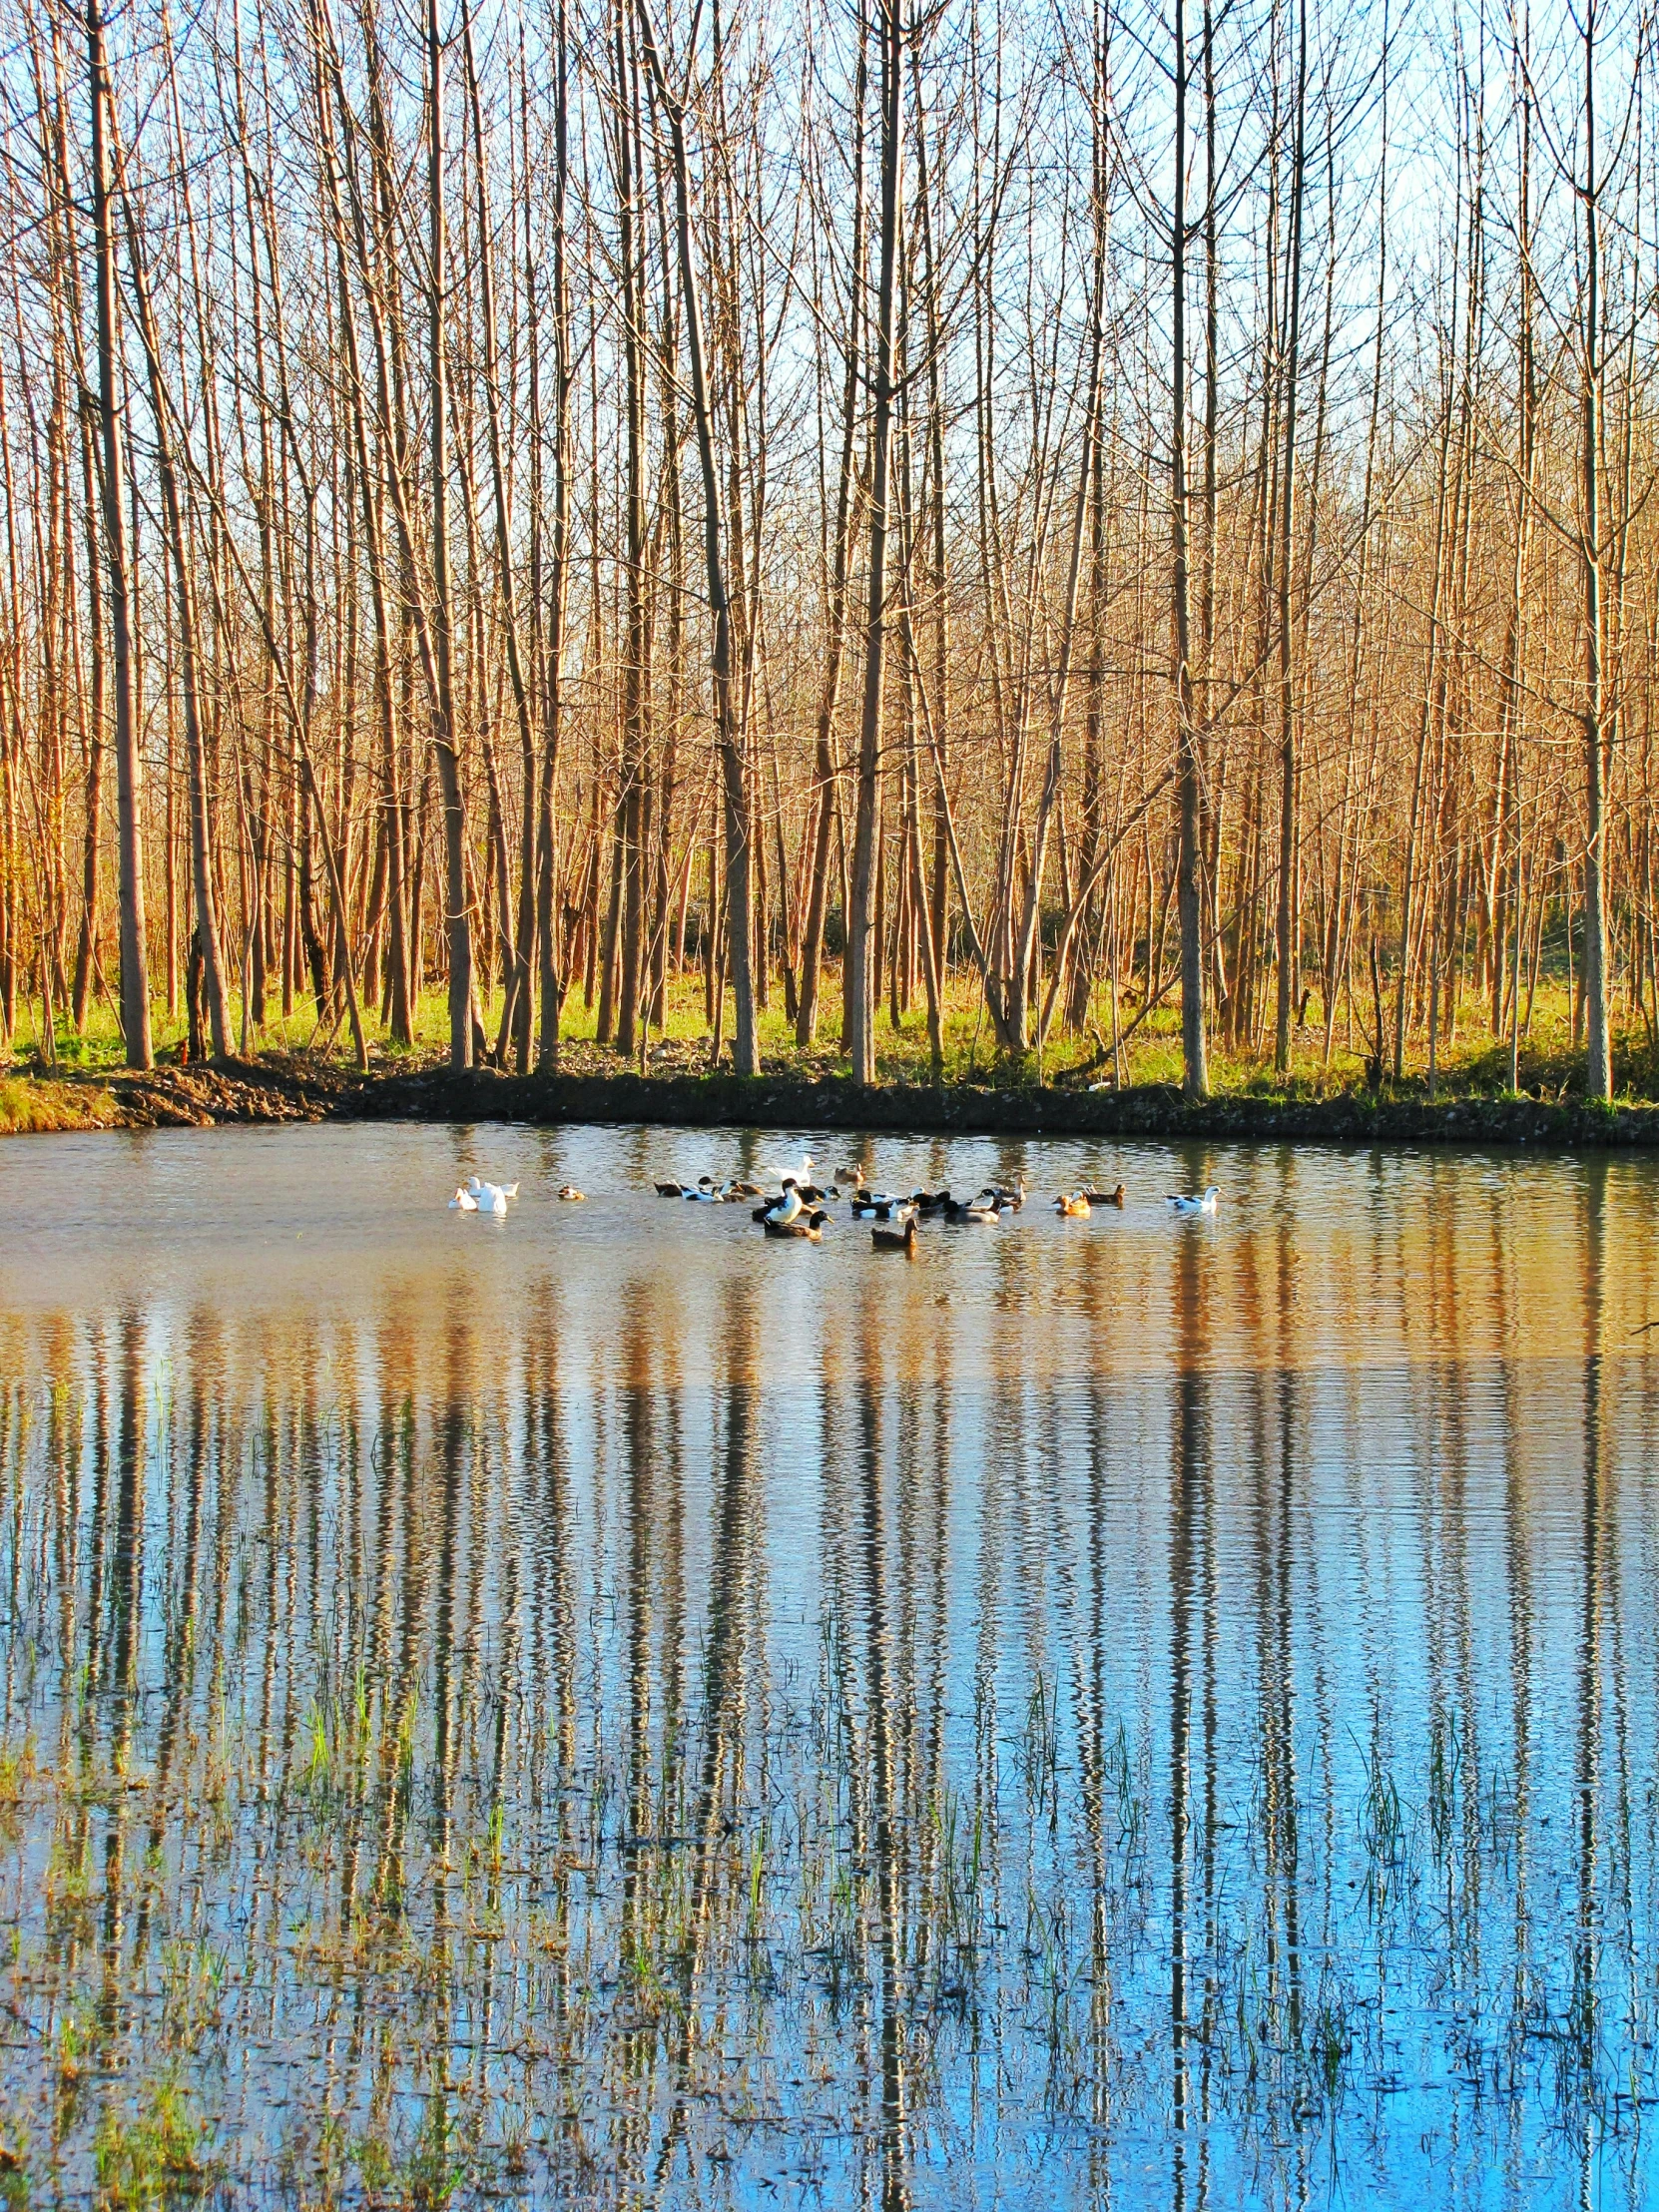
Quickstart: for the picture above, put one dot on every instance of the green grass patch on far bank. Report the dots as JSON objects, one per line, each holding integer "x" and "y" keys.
{"x": 62, "y": 1088}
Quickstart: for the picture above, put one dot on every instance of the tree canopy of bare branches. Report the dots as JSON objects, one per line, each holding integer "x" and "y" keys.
{"x": 1155, "y": 503}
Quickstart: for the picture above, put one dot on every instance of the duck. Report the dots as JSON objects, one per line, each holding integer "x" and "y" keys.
{"x": 483, "y": 1190}
{"x": 1006, "y": 1201}
{"x": 569, "y": 1191}
{"x": 782, "y": 1211}
{"x": 974, "y": 1209}
{"x": 931, "y": 1202}
{"x": 671, "y": 1190}
{"x": 1072, "y": 1205}
{"x": 855, "y": 1176}
{"x": 1106, "y": 1198}
{"x": 463, "y": 1200}
{"x": 878, "y": 1206}
{"x": 896, "y": 1239}
{"x": 792, "y": 1171}
{"x": 705, "y": 1190}
{"x": 1204, "y": 1205}
{"x": 803, "y": 1224}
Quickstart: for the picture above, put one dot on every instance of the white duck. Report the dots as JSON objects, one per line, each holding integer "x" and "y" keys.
{"x": 1204, "y": 1205}
{"x": 792, "y": 1171}
{"x": 463, "y": 1200}
{"x": 490, "y": 1190}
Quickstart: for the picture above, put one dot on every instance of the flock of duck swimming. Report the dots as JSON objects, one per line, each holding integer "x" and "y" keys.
{"x": 798, "y": 1208}
{"x": 473, "y": 1197}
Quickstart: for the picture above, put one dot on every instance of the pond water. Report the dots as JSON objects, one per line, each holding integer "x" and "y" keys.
{"x": 599, "y": 1707}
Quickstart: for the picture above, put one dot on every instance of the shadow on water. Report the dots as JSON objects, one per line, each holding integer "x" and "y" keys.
{"x": 1137, "y": 1712}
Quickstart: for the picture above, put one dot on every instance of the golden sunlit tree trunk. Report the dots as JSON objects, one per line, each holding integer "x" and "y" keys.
{"x": 1194, "y": 1048}
{"x": 135, "y": 967}
{"x": 860, "y": 919}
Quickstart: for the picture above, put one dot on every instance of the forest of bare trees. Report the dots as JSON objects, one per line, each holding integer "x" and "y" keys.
{"x": 1095, "y": 515}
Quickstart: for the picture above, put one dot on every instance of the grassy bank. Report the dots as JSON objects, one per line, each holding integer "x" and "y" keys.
{"x": 34, "y": 1103}
{"x": 1138, "y": 1049}
{"x": 1083, "y": 1085}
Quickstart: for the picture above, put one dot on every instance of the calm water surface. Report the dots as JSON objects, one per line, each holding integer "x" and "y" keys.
{"x": 601, "y": 1708}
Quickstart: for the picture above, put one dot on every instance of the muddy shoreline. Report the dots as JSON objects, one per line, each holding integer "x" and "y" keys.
{"x": 272, "y": 1091}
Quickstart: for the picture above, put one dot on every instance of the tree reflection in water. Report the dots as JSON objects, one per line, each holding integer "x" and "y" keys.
{"x": 1159, "y": 1716}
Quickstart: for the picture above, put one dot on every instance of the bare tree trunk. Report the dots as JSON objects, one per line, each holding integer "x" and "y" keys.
{"x": 629, "y": 894}
{"x": 1506, "y": 797}
{"x": 135, "y": 972}
{"x": 1288, "y": 920}
{"x": 1022, "y": 978}
{"x": 1194, "y": 1051}
{"x": 444, "y": 735}
{"x": 1598, "y": 1077}
{"x": 201, "y": 829}
{"x": 861, "y": 1042}
{"x": 552, "y": 979}
{"x": 826, "y": 764}
{"x": 515, "y": 1023}
{"x": 85, "y": 946}
{"x": 1425, "y": 728}
{"x": 740, "y": 923}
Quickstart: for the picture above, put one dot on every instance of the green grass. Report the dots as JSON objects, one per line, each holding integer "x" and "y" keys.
{"x": 30, "y": 1105}
{"x": 150, "y": 2156}
{"x": 1471, "y": 1062}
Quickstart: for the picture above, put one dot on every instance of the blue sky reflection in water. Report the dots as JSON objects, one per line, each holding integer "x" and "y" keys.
{"x": 601, "y": 1708}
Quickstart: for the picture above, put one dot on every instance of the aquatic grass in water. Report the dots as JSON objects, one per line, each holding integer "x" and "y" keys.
{"x": 658, "y": 1727}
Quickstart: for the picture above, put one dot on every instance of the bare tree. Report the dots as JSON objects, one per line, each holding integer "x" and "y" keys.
{"x": 135, "y": 957}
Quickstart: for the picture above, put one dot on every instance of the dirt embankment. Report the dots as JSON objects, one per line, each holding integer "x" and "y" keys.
{"x": 280, "y": 1090}
{"x": 178, "y": 1098}
{"x": 722, "y": 1100}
